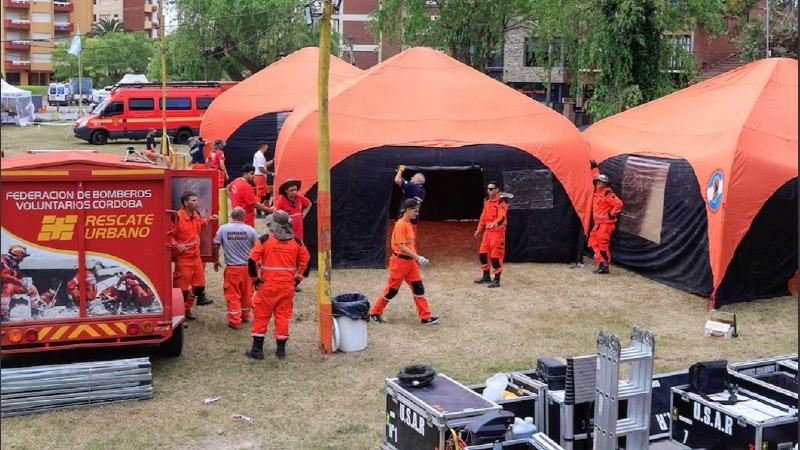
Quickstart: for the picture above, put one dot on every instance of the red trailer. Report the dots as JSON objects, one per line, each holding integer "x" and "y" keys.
{"x": 85, "y": 251}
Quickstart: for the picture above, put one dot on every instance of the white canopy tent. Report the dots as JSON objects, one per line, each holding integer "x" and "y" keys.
{"x": 17, "y": 105}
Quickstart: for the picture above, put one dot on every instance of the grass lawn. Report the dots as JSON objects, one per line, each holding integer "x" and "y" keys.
{"x": 316, "y": 402}
{"x": 36, "y": 90}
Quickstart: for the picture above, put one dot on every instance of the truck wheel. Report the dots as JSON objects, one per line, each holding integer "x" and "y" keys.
{"x": 182, "y": 137}
{"x": 99, "y": 137}
{"x": 173, "y": 346}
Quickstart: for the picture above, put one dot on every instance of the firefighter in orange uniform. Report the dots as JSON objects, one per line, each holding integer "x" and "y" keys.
{"x": 11, "y": 278}
{"x": 492, "y": 224}
{"x": 404, "y": 266}
{"x": 185, "y": 240}
{"x": 216, "y": 161}
{"x": 276, "y": 265}
{"x": 74, "y": 286}
{"x": 606, "y": 206}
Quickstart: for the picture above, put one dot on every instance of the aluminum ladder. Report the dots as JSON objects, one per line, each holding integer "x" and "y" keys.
{"x": 541, "y": 441}
{"x": 637, "y": 389}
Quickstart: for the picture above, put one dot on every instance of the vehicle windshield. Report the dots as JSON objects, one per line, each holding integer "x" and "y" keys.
{"x": 100, "y": 107}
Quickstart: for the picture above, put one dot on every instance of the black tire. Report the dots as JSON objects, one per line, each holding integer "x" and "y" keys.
{"x": 172, "y": 347}
{"x": 99, "y": 137}
{"x": 182, "y": 136}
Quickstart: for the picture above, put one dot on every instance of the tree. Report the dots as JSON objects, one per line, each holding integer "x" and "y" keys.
{"x": 105, "y": 58}
{"x": 751, "y": 42}
{"x": 468, "y": 30}
{"x": 105, "y": 26}
{"x": 631, "y": 45}
{"x": 237, "y": 38}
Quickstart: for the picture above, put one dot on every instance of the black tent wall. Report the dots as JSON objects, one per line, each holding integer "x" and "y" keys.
{"x": 681, "y": 259}
{"x": 766, "y": 258}
{"x": 243, "y": 143}
{"x": 361, "y": 190}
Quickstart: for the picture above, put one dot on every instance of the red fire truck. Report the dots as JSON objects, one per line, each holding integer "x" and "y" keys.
{"x": 85, "y": 251}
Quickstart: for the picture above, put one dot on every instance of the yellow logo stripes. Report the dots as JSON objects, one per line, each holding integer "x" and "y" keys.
{"x": 56, "y": 228}
{"x": 70, "y": 332}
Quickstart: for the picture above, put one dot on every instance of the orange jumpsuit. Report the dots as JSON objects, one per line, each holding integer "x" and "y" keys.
{"x": 74, "y": 287}
{"x": 12, "y": 285}
{"x": 605, "y": 208}
{"x": 141, "y": 295}
{"x": 281, "y": 265}
{"x": 493, "y": 243}
{"x": 403, "y": 268}
{"x": 189, "y": 270}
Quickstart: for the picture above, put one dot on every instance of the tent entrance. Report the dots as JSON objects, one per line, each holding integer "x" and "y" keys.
{"x": 451, "y": 193}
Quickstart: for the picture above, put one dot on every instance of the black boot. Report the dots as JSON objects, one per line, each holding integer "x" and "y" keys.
{"x": 602, "y": 268}
{"x": 496, "y": 282}
{"x": 484, "y": 279}
{"x": 280, "y": 352}
{"x": 257, "y": 350}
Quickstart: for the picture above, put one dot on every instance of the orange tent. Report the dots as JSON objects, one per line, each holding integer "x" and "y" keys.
{"x": 461, "y": 129}
{"x": 710, "y": 177}
{"x": 255, "y": 109}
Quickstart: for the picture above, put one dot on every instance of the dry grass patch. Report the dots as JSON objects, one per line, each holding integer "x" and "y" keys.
{"x": 311, "y": 401}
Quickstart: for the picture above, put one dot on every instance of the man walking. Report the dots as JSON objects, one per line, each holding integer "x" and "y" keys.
{"x": 236, "y": 239}
{"x": 606, "y": 206}
{"x": 492, "y": 224}
{"x": 185, "y": 241}
{"x": 261, "y": 164}
{"x": 404, "y": 266}
{"x": 411, "y": 189}
{"x": 276, "y": 264}
{"x": 242, "y": 193}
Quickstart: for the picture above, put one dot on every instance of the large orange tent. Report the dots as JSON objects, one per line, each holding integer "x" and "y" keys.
{"x": 709, "y": 177}
{"x": 255, "y": 109}
{"x": 461, "y": 129}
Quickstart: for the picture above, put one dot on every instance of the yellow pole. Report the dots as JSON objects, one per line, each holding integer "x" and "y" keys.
{"x": 324, "y": 188}
{"x": 162, "y": 38}
{"x": 223, "y": 205}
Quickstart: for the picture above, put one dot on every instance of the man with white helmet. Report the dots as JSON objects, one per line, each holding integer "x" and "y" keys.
{"x": 606, "y": 206}
{"x": 11, "y": 278}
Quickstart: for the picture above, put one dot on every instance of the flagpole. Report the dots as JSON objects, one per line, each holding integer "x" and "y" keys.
{"x": 80, "y": 81}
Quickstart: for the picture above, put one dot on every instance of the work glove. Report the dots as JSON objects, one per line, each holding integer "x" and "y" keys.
{"x": 401, "y": 167}
{"x": 423, "y": 261}
{"x": 592, "y": 164}
{"x": 297, "y": 281}
{"x": 256, "y": 283}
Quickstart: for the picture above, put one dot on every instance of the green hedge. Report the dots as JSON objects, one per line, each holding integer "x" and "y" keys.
{"x": 35, "y": 90}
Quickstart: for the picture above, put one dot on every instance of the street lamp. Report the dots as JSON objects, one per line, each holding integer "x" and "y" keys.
{"x": 350, "y": 45}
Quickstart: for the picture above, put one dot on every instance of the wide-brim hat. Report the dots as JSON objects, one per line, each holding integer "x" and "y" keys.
{"x": 280, "y": 225}
{"x": 289, "y": 182}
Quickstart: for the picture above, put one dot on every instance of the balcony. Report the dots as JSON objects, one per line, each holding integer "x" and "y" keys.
{"x": 63, "y": 7}
{"x": 17, "y": 45}
{"x": 18, "y": 65}
{"x": 63, "y": 27}
{"x": 148, "y": 8}
{"x": 17, "y": 4}
{"x": 17, "y": 24}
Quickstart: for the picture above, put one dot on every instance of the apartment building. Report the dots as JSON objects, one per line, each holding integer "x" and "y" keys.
{"x": 358, "y": 45}
{"x": 31, "y": 28}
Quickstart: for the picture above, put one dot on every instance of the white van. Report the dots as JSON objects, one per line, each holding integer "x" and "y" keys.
{"x": 59, "y": 94}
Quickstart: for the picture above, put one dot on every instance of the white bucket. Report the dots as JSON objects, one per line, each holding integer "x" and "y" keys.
{"x": 352, "y": 334}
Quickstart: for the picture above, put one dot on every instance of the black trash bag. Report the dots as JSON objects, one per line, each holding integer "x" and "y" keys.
{"x": 352, "y": 306}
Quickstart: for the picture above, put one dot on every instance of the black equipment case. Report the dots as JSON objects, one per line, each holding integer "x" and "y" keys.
{"x": 422, "y": 417}
{"x": 752, "y": 423}
{"x": 774, "y": 378}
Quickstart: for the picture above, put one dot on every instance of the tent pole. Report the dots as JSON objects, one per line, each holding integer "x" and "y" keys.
{"x": 323, "y": 188}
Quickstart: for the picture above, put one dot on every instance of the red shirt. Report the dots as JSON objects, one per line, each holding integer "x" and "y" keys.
{"x": 295, "y": 211}
{"x": 243, "y": 194}
{"x": 214, "y": 158}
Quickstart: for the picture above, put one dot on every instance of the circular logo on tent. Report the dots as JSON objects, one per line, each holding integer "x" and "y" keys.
{"x": 714, "y": 190}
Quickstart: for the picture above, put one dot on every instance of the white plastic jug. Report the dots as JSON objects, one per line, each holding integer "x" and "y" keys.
{"x": 524, "y": 429}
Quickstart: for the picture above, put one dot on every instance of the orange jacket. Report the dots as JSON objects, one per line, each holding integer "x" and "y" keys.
{"x": 494, "y": 212}
{"x": 186, "y": 230}
{"x": 606, "y": 205}
{"x": 278, "y": 261}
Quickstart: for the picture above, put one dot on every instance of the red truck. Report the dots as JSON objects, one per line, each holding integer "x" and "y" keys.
{"x": 85, "y": 249}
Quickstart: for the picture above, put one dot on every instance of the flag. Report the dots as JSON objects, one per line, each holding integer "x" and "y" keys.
{"x": 75, "y": 47}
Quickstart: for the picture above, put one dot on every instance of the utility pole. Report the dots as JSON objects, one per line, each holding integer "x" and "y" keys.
{"x": 324, "y": 267}
{"x": 163, "y": 44}
{"x": 768, "y": 53}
